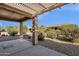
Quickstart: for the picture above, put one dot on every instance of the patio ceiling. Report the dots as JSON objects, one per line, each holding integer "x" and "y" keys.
{"x": 24, "y": 11}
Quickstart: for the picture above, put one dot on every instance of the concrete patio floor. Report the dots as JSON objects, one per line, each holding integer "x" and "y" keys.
{"x": 21, "y": 47}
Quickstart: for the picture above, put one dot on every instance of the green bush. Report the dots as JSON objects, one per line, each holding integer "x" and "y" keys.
{"x": 52, "y": 33}
{"x": 13, "y": 33}
{"x": 40, "y": 36}
{"x": 65, "y": 32}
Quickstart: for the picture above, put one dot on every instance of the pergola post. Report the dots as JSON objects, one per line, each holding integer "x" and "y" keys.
{"x": 21, "y": 30}
{"x": 34, "y": 31}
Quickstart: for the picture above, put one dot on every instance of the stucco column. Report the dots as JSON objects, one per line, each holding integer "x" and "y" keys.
{"x": 34, "y": 31}
{"x": 21, "y": 30}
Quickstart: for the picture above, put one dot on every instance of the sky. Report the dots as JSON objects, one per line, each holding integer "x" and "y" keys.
{"x": 67, "y": 14}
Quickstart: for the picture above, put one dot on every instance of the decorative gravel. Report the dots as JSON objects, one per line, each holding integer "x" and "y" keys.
{"x": 68, "y": 49}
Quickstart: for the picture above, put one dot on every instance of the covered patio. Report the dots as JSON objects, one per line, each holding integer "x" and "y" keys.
{"x": 20, "y": 12}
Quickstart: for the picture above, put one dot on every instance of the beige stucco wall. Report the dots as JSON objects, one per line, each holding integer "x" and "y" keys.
{"x": 4, "y": 33}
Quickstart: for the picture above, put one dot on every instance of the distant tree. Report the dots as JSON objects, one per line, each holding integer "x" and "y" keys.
{"x": 76, "y": 30}
{"x": 69, "y": 27}
{"x": 0, "y": 27}
{"x": 11, "y": 28}
{"x": 41, "y": 29}
{"x": 26, "y": 29}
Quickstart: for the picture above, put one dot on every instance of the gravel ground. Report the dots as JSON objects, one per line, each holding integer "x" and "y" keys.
{"x": 68, "y": 49}
{"x": 7, "y": 38}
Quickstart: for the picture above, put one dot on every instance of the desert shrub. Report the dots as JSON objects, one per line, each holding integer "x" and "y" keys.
{"x": 58, "y": 32}
{"x": 3, "y": 35}
{"x": 26, "y": 36}
{"x": 65, "y": 38}
{"x": 40, "y": 36}
{"x": 25, "y": 29}
{"x": 65, "y": 32}
{"x": 13, "y": 33}
{"x": 52, "y": 33}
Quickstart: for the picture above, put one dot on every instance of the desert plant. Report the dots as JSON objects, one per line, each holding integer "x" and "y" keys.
{"x": 26, "y": 29}
{"x": 52, "y": 33}
{"x": 40, "y": 36}
{"x": 76, "y": 40}
{"x": 65, "y": 38}
{"x": 13, "y": 33}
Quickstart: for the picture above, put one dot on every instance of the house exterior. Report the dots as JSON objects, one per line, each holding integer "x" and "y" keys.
{"x": 4, "y": 32}
{"x": 54, "y": 26}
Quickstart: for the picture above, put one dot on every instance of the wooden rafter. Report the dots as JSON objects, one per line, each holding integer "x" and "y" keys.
{"x": 14, "y": 8}
{"x": 57, "y": 5}
{"x": 9, "y": 7}
{"x": 29, "y": 7}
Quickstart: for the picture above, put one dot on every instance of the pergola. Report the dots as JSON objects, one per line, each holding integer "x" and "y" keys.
{"x": 19, "y": 12}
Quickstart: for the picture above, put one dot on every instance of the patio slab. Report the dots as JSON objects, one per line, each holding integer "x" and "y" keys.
{"x": 38, "y": 51}
{"x": 10, "y": 47}
{"x": 21, "y": 47}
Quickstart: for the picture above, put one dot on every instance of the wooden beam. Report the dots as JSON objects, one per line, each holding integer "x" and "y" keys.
{"x": 28, "y": 7}
{"x": 57, "y": 5}
{"x": 13, "y": 9}
{"x": 24, "y": 19}
{"x": 9, "y": 15}
{"x": 14, "y": 20}
{"x": 34, "y": 31}
{"x": 7, "y": 19}
{"x": 42, "y": 5}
